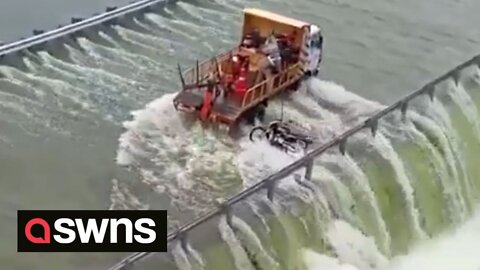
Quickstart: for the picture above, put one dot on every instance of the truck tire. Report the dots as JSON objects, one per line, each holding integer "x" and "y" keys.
{"x": 253, "y": 113}
{"x": 260, "y": 112}
{"x": 294, "y": 86}
{"x": 310, "y": 73}
{"x": 249, "y": 116}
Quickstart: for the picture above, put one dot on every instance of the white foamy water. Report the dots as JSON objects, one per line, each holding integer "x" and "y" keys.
{"x": 336, "y": 95}
{"x": 353, "y": 247}
{"x": 175, "y": 155}
{"x": 317, "y": 261}
{"x": 456, "y": 249}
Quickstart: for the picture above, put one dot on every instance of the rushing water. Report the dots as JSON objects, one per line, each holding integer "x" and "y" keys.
{"x": 90, "y": 125}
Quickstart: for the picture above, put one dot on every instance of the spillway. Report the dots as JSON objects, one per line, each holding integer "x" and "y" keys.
{"x": 361, "y": 202}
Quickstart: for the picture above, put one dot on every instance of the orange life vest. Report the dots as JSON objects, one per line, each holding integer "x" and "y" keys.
{"x": 240, "y": 84}
{"x": 206, "y": 106}
{"x": 236, "y": 67}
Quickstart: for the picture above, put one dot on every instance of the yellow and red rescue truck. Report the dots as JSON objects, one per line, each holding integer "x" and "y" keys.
{"x": 274, "y": 55}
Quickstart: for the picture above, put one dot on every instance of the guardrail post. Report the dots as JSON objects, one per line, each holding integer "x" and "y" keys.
{"x": 302, "y": 183}
{"x": 403, "y": 109}
{"x": 197, "y": 72}
{"x": 76, "y": 20}
{"x": 430, "y": 91}
{"x": 342, "y": 146}
{"x": 270, "y": 189}
{"x": 309, "y": 169}
{"x": 36, "y": 32}
{"x": 182, "y": 238}
{"x": 228, "y": 213}
{"x": 372, "y": 123}
{"x": 128, "y": 265}
{"x": 456, "y": 76}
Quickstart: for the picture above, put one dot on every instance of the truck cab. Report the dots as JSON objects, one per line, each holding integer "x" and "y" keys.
{"x": 314, "y": 47}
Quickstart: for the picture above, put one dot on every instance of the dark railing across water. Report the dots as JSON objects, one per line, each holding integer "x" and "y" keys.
{"x": 268, "y": 183}
{"x": 78, "y": 24}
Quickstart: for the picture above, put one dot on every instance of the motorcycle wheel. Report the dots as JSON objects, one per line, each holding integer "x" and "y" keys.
{"x": 303, "y": 144}
{"x": 291, "y": 147}
{"x": 257, "y": 134}
{"x": 287, "y": 129}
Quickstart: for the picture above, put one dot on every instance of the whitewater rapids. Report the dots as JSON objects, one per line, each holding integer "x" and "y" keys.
{"x": 455, "y": 249}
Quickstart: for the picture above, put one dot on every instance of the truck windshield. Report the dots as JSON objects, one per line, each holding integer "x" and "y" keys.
{"x": 317, "y": 41}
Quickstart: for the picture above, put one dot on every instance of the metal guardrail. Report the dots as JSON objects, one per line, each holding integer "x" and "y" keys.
{"x": 271, "y": 86}
{"x": 268, "y": 183}
{"x": 202, "y": 69}
{"x": 78, "y": 25}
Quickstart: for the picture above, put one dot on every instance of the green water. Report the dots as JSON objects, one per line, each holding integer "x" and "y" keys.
{"x": 430, "y": 201}
{"x": 219, "y": 257}
{"x": 471, "y": 145}
{"x": 391, "y": 201}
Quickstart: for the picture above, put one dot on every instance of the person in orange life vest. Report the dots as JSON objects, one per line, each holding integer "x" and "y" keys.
{"x": 236, "y": 66}
{"x": 240, "y": 84}
{"x": 229, "y": 79}
{"x": 207, "y": 101}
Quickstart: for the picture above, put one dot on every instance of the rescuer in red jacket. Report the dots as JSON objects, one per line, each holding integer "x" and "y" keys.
{"x": 240, "y": 84}
{"x": 208, "y": 98}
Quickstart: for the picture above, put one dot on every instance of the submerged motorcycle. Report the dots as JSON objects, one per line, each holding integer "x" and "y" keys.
{"x": 281, "y": 135}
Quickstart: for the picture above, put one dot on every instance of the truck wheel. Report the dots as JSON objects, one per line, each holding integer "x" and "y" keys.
{"x": 294, "y": 86}
{"x": 255, "y": 112}
{"x": 250, "y": 117}
{"x": 260, "y": 112}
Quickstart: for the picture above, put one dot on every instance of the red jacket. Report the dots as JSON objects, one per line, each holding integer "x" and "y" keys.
{"x": 206, "y": 106}
{"x": 240, "y": 84}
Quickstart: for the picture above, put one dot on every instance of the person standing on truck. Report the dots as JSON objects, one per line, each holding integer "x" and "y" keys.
{"x": 285, "y": 50}
{"x": 240, "y": 84}
{"x": 208, "y": 98}
{"x": 272, "y": 51}
{"x": 257, "y": 39}
{"x": 241, "y": 81}
{"x": 236, "y": 66}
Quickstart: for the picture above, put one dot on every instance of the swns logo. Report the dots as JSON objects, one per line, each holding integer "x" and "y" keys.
{"x": 92, "y": 231}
